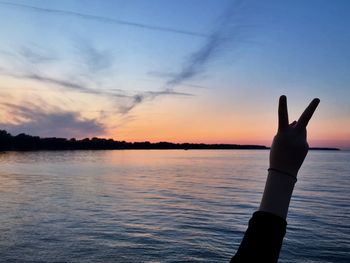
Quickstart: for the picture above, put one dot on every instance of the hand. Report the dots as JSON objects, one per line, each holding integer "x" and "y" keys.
{"x": 289, "y": 147}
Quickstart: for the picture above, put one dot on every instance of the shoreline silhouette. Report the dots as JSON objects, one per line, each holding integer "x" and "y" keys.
{"x": 25, "y": 142}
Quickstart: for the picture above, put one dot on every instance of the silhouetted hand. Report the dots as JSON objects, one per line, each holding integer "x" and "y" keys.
{"x": 263, "y": 239}
{"x": 289, "y": 147}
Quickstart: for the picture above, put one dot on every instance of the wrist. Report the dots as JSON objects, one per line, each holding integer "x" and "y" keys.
{"x": 277, "y": 194}
{"x": 293, "y": 176}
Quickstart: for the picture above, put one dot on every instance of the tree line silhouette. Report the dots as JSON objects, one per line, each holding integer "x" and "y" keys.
{"x": 24, "y": 142}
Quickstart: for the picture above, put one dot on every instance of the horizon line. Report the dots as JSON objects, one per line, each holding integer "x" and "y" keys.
{"x": 169, "y": 142}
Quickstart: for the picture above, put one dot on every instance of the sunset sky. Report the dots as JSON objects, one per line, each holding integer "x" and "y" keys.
{"x": 183, "y": 71}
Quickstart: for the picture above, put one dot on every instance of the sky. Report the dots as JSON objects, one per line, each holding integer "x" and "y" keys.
{"x": 182, "y": 71}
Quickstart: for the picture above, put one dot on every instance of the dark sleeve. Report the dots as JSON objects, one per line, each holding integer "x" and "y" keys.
{"x": 263, "y": 239}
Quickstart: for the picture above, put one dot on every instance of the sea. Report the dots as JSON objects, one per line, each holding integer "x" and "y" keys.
{"x": 163, "y": 205}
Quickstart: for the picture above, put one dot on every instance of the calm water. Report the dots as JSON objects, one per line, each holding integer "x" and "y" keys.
{"x": 163, "y": 206}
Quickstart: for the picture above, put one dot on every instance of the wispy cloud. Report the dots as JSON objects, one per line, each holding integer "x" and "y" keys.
{"x": 227, "y": 32}
{"x": 65, "y": 84}
{"x": 36, "y": 55}
{"x": 28, "y": 55}
{"x": 168, "y": 75}
{"x": 59, "y": 82}
{"x": 131, "y": 99}
{"x": 103, "y": 19}
{"x": 149, "y": 95}
{"x": 49, "y": 80}
{"x": 30, "y": 62}
{"x": 42, "y": 121}
{"x": 94, "y": 60}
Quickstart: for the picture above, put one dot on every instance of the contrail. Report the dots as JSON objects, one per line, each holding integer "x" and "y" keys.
{"x": 105, "y": 19}
{"x": 142, "y": 96}
{"x": 228, "y": 31}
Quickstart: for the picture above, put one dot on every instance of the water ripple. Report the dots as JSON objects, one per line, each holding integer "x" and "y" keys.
{"x": 162, "y": 206}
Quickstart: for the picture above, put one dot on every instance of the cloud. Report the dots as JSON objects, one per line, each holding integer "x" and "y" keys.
{"x": 227, "y": 31}
{"x": 59, "y": 82}
{"x": 73, "y": 86}
{"x": 168, "y": 75}
{"x": 39, "y": 120}
{"x": 36, "y": 55}
{"x": 49, "y": 80}
{"x": 103, "y": 19}
{"x": 131, "y": 100}
{"x": 94, "y": 59}
{"x": 27, "y": 56}
{"x": 142, "y": 96}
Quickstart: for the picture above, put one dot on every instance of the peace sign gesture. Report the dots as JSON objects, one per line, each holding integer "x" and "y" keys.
{"x": 289, "y": 147}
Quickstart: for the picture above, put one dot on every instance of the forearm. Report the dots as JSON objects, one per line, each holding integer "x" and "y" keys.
{"x": 263, "y": 239}
{"x": 277, "y": 194}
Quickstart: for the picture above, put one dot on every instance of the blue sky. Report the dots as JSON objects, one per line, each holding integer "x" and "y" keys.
{"x": 207, "y": 71}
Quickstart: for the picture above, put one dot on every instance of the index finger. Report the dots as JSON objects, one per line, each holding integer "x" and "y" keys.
{"x": 307, "y": 114}
{"x": 282, "y": 113}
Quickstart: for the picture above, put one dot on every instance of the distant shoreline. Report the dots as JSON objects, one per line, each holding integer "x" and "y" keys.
{"x": 324, "y": 149}
{"x": 24, "y": 142}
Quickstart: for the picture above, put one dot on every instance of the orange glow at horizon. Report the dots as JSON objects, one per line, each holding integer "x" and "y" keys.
{"x": 199, "y": 120}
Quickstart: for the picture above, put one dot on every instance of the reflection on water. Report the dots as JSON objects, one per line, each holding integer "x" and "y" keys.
{"x": 162, "y": 206}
